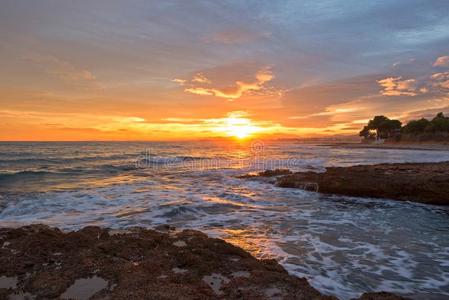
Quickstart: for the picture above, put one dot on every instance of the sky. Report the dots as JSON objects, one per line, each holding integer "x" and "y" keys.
{"x": 175, "y": 70}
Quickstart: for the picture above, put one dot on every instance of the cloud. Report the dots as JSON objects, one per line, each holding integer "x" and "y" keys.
{"x": 201, "y": 85}
{"x": 342, "y": 102}
{"x": 264, "y": 76}
{"x": 423, "y": 82}
{"x": 201, "y": 91}
{"x": 441, "y": 80}
{"x": 427, "y": 113}
{"x": 442, "y": 61}
{"x": 316, "y": 98}
{"x": 404, "y": 62}
{"x": 200, "y": 78}
{"x": 179, "y": 81}
{"x": 236, "y": 36}
{"x": 395, "y": 86}
{"x": 310, "y": 43}
{"x": 61, "y": 68}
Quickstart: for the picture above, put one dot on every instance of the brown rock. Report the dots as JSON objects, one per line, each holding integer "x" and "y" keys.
{"x": 417, "y": 182}
{"x": 140, "y": 264}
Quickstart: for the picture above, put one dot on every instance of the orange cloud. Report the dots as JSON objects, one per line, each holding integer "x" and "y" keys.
{"x": 200, "y": 78}
{"x": 441, "y": 80}
{"x": 179, "y": 81}
{"x": 201, "y": 91}
{"x": 395, "y": 86}
{"x": 442, "y": 61}
{"x": 236, "y": 36}
{"x": 230, "y": 92}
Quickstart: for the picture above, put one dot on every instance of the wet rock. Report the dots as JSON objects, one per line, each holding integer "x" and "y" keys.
{"x": 180, "y": 243}
{"x": 165, "y": 228}
{"x": 417, "y": 182}
{"x": 216, "y": 281}
{"x": 275, "y": 172}
{"x": 8, "y": 282}
{"x": 85, "y": 288}
{"x": 21, "y": 296}
{"x": 136, "y": 264}
{"x": 241, "y": 274}
{"x": 140, "y": 264}
{"x": 268, "y": 173}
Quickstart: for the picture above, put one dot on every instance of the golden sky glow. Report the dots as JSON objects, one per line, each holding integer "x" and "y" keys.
{"x": 237, "y": 125}
{"x": 195, "y": 70}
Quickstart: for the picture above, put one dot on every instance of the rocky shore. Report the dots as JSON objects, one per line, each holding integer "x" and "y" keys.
{"x": 418, "y": 182}
{"x": 39, "y": 262}
{"x": 393, "y": 146}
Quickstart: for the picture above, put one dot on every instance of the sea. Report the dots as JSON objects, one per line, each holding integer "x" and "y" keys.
{"x": 344, "y": 246}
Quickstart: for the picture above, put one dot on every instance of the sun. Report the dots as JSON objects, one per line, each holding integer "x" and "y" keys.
{"x": 240, "y": 128}
{"x": 235, "y": 125}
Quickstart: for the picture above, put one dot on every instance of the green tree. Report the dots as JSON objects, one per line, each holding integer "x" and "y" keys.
{"x": 364, "y": 132}
{"x": 384, "y": 127}
{"x": 439, "y": 123}
{"x": 416, "y": 127}
{"x": 422, "y": 129}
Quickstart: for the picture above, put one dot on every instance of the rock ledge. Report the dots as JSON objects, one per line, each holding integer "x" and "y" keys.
{"x": 39, "y": 262}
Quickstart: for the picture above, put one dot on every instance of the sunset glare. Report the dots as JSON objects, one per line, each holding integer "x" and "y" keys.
{"x": 239, "y": 127}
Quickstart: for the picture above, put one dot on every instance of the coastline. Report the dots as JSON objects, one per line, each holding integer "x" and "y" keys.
{"x": 40, "y": 262}
{"x": 392, "y": 146}
{"x": 426, "y": 183}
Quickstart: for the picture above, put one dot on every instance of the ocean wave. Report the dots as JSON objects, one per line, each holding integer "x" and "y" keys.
{"x": 23, "y": 175}
{"x": 63, "y": 160}
{"x": 28, "y": 161}
{"x": 159, "y": 160}
{"x": 35, "y": 174}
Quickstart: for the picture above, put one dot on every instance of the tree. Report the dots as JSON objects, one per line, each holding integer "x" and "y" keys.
{"x": 439, "y": 115}
{"x": 422, "y": 129}
{"x": 384, "y": 127}
{"x": 439, "y": 124}
{"x": 364, "y": 132}
{"x": 367, "y": 133}
{"x": 416, "y": 127}
{"x": 394, "y": 127}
